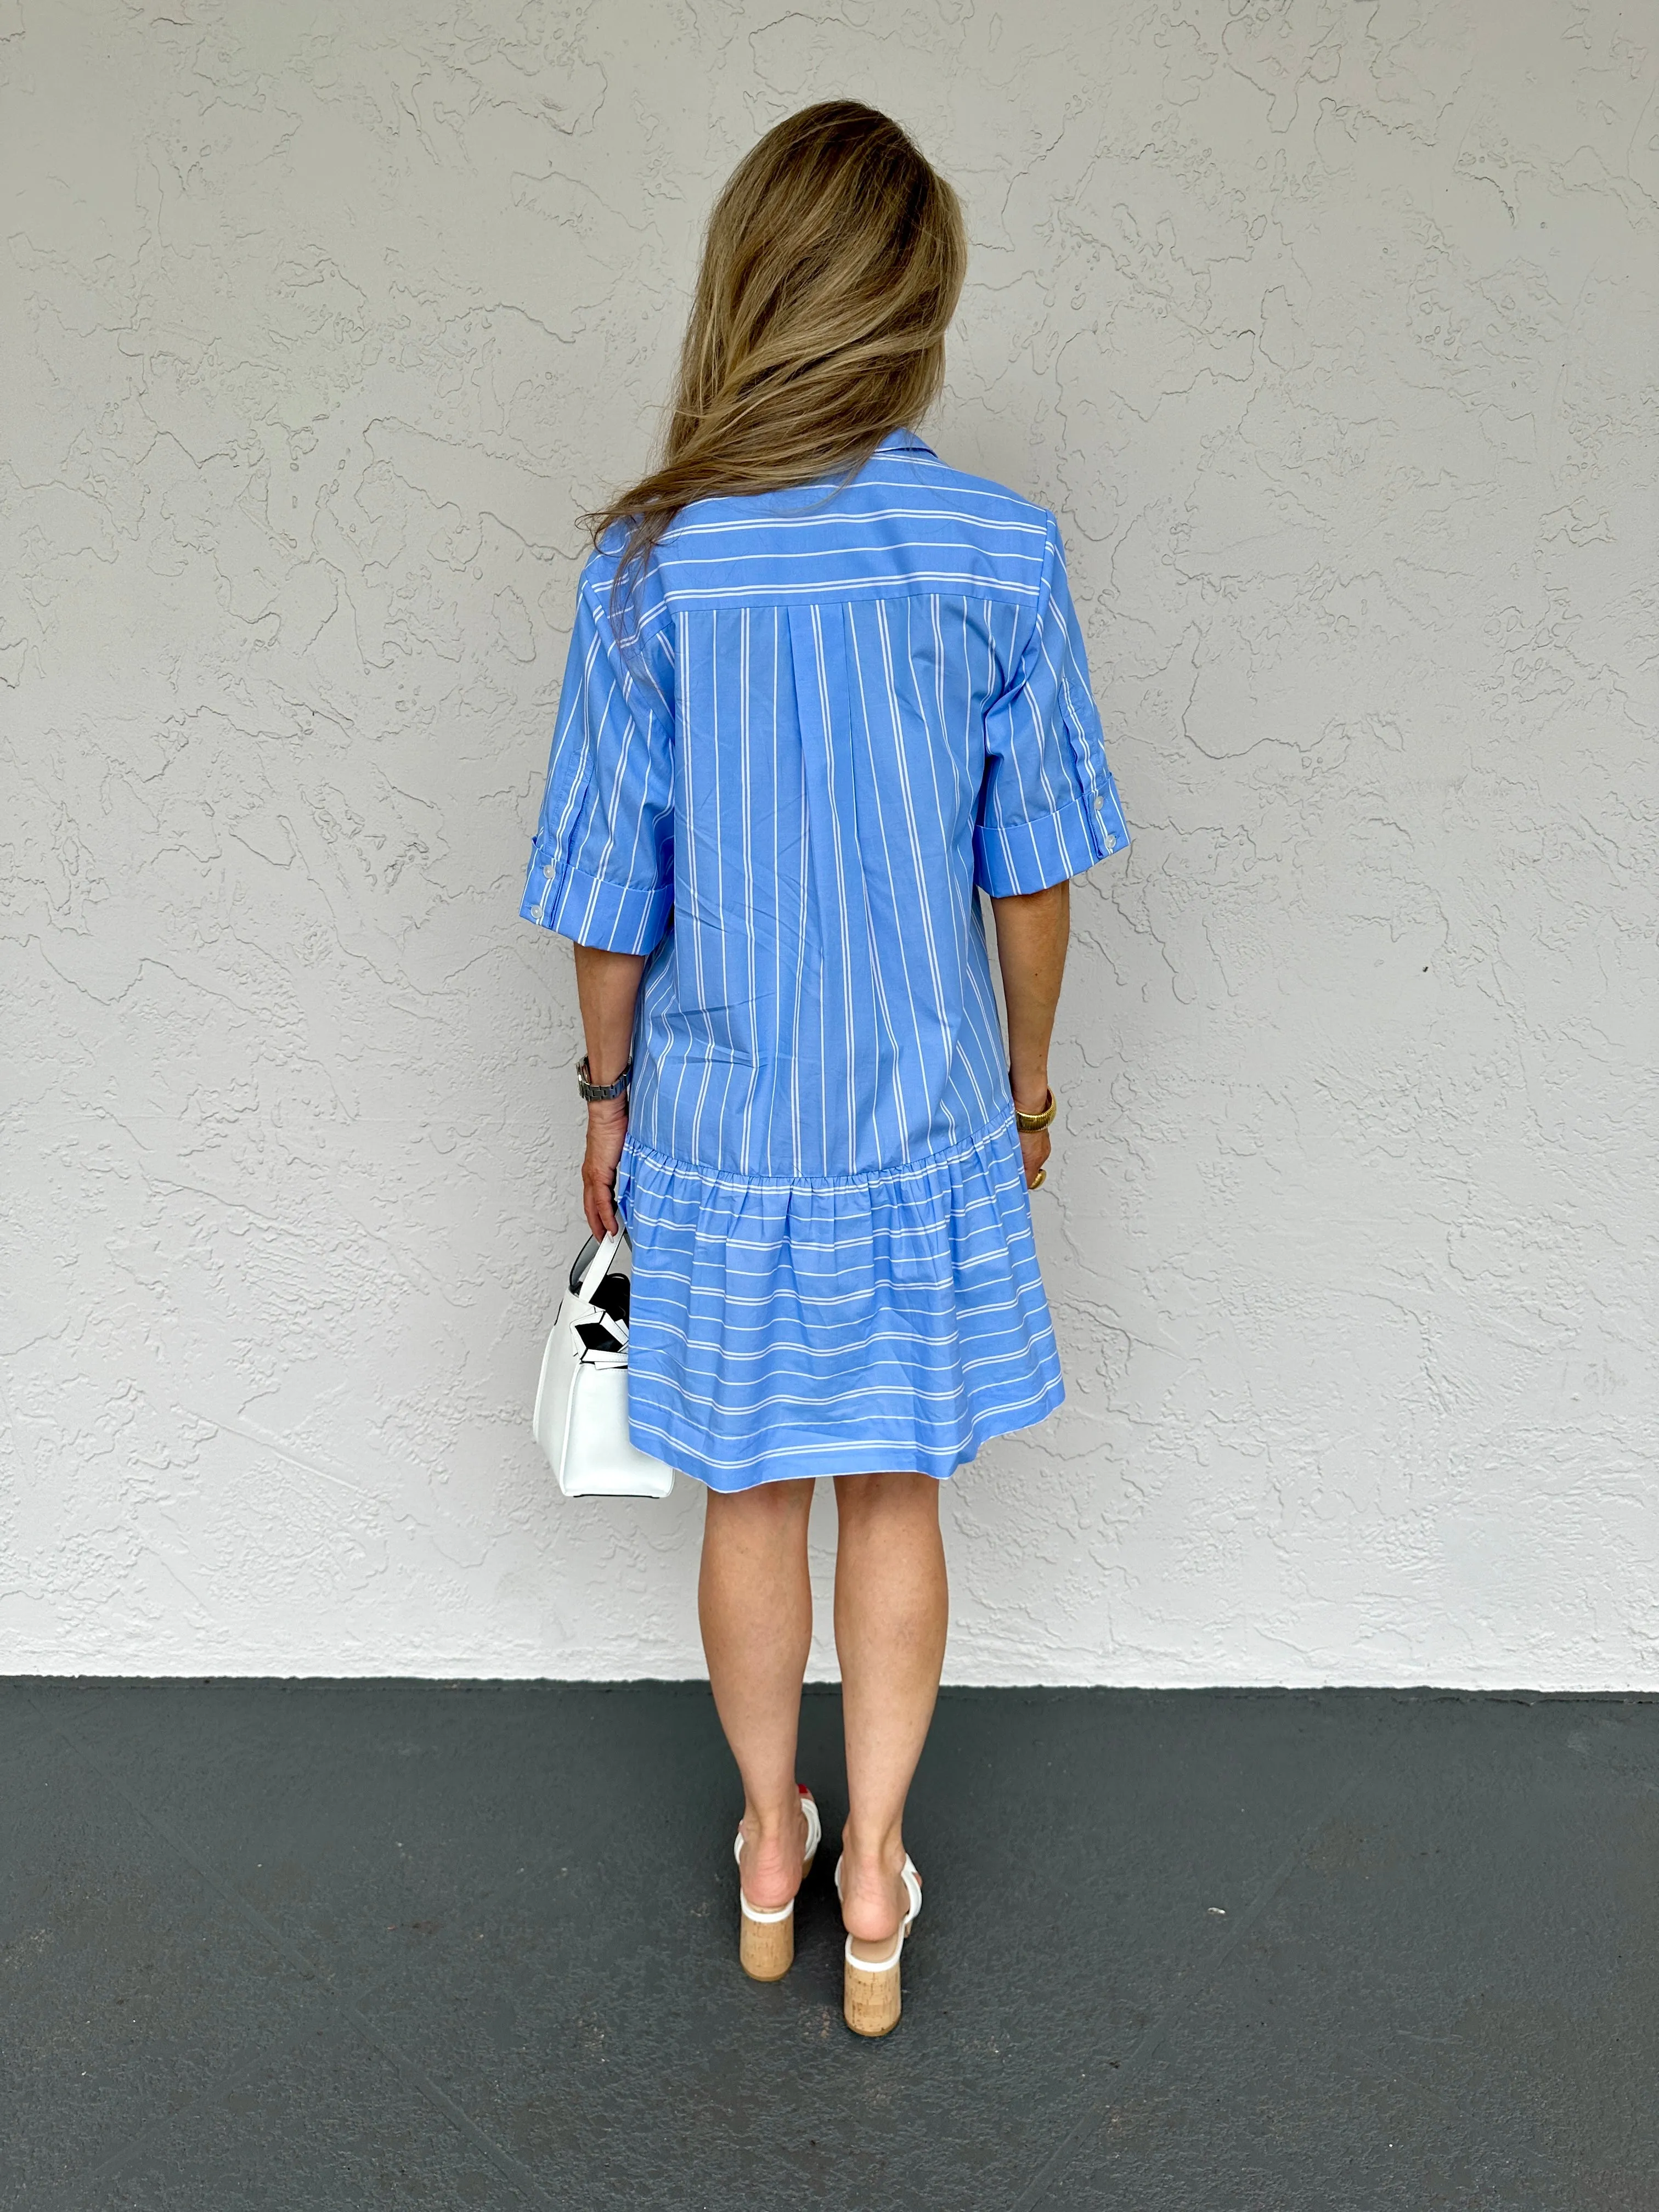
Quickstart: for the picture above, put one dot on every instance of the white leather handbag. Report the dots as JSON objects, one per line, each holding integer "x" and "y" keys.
{"x": 580, "y": 1418}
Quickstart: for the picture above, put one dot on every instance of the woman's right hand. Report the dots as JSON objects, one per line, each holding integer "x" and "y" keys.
{"x": 607, "y": 1126}
{"x": 607, "y": 985}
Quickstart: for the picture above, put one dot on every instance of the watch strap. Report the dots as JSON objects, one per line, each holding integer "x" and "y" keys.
{"x": 593, "y": 1091}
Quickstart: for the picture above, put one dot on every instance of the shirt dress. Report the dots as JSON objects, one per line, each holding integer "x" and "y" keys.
{"x": 838, "y": 713}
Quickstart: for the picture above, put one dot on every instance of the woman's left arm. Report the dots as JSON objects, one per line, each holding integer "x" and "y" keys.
{"x": 607, "y": 984}
{"x": 1033, "y": 930}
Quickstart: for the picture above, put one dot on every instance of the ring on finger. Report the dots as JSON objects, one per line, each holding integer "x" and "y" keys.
{"x": 1039, "y": 1179}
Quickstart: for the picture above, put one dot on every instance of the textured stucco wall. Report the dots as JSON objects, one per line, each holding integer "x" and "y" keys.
{"x": 1327, "y": 326}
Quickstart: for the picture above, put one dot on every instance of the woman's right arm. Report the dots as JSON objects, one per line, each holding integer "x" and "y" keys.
{"x": 607, "y": 985}
{"x": 1033, "y": 930}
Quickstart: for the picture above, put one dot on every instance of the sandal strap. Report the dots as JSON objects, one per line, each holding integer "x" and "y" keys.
{"x": 913, "y": 1888}
{"x": 878, "y": 1965}
{"x": 766, "y": 1919}
{"x": 814, "y": 1825}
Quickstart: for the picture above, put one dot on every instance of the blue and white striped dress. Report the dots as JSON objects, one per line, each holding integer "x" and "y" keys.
{"x": 845, "y": 707}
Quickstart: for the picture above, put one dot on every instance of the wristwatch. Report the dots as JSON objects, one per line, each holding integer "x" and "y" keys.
{"x": 593, "y": 1091}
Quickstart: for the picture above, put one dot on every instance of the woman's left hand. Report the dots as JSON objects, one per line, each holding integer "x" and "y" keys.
{"x": 607, "y": 1126}
{"x": 1034, "y": 1150}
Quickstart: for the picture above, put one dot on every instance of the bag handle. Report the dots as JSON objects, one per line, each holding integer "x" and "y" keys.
{"x": 598, "y": 1266}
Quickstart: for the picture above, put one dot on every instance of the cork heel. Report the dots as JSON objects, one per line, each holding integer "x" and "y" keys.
{"x": 872, "y": 1999}
{"x": 766, "y": 1940}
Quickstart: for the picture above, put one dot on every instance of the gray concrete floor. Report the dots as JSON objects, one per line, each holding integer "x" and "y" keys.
{"x": 316, "y": 1945}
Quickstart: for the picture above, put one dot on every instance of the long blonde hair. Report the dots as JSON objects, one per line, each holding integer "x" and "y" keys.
{"x": 832, "y": 265}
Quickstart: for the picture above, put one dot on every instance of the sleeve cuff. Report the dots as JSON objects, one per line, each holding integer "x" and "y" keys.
{"x": 1011, "y": 859}
{"x": 612, "y": 917}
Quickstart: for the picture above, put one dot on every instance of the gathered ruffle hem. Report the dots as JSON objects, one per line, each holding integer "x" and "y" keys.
{"x": 888, "y": 1322}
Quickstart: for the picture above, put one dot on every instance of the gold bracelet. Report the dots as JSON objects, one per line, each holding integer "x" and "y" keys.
{"x": 1050, "y": 1107}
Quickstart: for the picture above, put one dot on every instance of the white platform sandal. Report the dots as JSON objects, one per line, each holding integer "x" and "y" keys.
{"x": 766, "y": 1940}
{"x": 870, "y": 1999}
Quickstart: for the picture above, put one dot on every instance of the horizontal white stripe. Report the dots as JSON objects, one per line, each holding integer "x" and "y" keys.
{"x": 680, "y": 1171}
{"x": 672, "y": 1446}
{"x": 829, "y": 517}
{"x": 644, "y": 1337}
{"x": 831, "y": 592}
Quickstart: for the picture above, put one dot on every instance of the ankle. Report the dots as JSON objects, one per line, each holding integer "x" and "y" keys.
{"x": 778, "y": 1820}
{"x": 872, "y": 1849}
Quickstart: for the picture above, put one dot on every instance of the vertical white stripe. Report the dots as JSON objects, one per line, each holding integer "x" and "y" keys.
{"x": 840, "y": 793}
{"x": 746, "y": 841}
{"x": 927, "y": 894}
{"x": 899, "y": 1057}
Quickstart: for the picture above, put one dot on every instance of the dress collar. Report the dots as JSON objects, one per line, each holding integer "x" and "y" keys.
{"x": 905, "y": 441}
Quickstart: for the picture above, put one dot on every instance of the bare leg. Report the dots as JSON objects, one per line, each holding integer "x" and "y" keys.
{"x": 891, "y": 1613}
{"x": 755, "y": 1601}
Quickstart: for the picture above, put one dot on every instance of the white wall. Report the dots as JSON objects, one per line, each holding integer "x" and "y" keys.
{"x": 1324, "y": 326}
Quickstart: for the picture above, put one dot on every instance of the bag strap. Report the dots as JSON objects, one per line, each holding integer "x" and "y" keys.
{"x": 598, "y": 1266}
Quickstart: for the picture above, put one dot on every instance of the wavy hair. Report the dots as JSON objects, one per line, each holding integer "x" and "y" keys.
{"x": 832, "y": 265}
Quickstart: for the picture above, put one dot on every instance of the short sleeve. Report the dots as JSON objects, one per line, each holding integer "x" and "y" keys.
{"x": 602, "y": 867}
{"x": 1049, "y": 807}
